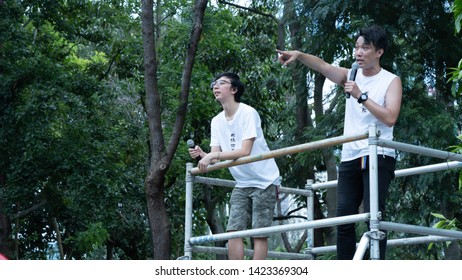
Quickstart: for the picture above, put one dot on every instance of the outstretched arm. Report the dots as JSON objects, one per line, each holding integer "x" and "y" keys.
{"x": 336, "y": 74}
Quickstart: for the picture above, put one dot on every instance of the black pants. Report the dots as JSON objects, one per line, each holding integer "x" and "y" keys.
{"x": 353, "y": 188}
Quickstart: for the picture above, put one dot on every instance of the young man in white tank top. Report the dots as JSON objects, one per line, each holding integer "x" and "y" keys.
{"x": 375, "y": 98}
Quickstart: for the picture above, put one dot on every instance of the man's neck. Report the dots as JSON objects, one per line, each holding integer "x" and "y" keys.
{"x": 230, "y": 109}
{"x": 369, "y": 72}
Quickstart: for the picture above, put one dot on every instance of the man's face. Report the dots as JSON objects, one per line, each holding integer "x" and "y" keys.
{"x": 366, "y": 54}
{"x": 222, "y": 89}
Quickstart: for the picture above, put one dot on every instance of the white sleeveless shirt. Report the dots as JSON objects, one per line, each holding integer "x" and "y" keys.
{"x": 358, "y": 118}
{"x": 229, "y": 135}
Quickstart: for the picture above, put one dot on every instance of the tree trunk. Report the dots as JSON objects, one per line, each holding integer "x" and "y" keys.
{"x": 109, "y": 250}
{"x": 5, "y": 227}
{"x": 59, "y": 241}
{"x": 158, "y": 218}
{"x": 161, "y": 157}
{"x": 331, "y": 197}
{"x": 303, "y": 112}
{"x": 5, "y": 233}
{"x": 452, "y": 252}
{"x": 328, "y": 158}
{"x": 154, "y": 188}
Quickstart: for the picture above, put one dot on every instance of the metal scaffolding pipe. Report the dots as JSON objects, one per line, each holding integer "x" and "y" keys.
{"x": 420, "y": 230}
{"x": 391, "y": 243}
{"x": 188, "y": 212}
{"x": 325, "y": 185}
{"x": 428, "y": 168}
{"x": 281, "y": 228}
{"x": 310, "y": 215}
{"x": 373, "y": 193}
{"x": 362, "y": 247}
{"x": 283, "y": 152}
{"x": 419, "y": 240}
{"x": 419, "y": 150}
{"x": 332, "y": 184}
{"x": 231, "y": 184}
{"x": 249, "y": 253}
{"x": 214, "y": 181}
{"x": 402, "y": 172}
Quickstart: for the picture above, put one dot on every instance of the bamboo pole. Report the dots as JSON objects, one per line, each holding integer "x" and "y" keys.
{"x": 283, "y": 152}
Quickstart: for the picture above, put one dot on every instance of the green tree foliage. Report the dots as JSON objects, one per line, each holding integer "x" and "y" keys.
{"x": 456, "y": 73}
{"x": 72, "y": 136}
{"x": 427, "y": 90}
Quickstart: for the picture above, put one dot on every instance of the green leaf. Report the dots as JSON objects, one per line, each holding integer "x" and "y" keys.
{"x": 437, "y": 215}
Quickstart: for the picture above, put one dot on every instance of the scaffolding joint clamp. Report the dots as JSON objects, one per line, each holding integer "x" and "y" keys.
{"x": 309, "y": 253}
{"x": 376, "y": 235}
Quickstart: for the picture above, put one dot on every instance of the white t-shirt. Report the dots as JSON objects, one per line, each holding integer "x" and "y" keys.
{"x": 358, "y": 118}
{"x": 228, "y": 135}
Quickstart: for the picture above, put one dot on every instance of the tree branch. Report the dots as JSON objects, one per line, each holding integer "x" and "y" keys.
{"x": 26, "y": 212}
{"x": 287, "y": 217}
{"x": 250, "y": 10}
{"x": 111, "y": 62}
{"x": 199, "y": 13}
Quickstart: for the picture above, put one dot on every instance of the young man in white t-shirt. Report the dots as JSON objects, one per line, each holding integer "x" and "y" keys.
{"x": 236, "y": 132}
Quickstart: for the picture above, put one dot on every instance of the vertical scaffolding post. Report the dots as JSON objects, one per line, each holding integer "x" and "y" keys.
{"x": 373, "y": 193}
{"x": 310, "y": 216}
{"x": 188, "y": 212}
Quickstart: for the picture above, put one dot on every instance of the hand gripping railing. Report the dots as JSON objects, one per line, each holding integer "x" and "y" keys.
{"x": 282, "y": 152}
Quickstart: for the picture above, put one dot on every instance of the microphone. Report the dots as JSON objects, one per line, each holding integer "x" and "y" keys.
{"x": 354, "y": 69}
{"x": 191, "y": 145}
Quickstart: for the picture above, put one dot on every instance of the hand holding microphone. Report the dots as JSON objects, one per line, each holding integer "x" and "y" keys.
{"x": 354, "y": 70}
{"x": 194, "y": 151}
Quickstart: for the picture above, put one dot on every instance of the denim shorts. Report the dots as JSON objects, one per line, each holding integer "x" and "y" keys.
{"x": 252, "y": 206}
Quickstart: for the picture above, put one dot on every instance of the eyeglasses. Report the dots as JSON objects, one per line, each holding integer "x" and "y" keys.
{"x": 219, "y": 83}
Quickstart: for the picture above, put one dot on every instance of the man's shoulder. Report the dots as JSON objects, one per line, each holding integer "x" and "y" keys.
{"x": 218, "y": 116}
{"x": 247, "y": 108}
{"x": 387, "y": 73}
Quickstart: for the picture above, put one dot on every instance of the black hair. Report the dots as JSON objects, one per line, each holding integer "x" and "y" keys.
{"x": 374, "y": 35}
{"x": 235, "y": 83}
